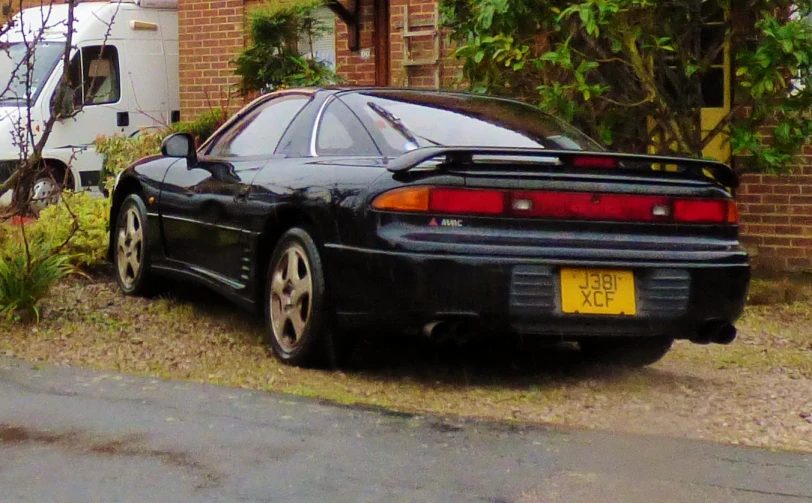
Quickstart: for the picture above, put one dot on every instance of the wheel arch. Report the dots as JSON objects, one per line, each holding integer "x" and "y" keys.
{"x": 276, "y": 225}
{"x": 60, "y": 168}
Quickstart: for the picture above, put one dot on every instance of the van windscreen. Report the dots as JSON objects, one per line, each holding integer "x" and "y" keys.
{"x": 26, "y": 66}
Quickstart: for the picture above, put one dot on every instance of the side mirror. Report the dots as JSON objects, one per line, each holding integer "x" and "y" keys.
{"x": 180, "y": 145}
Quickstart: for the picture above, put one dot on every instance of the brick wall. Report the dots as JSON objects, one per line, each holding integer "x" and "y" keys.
{"x": 355, "y": 68}
{"x": 421, "y": 12}
{"x": 359, "y": 70}
{"x": 211, "y": 33}
{"x": 776, "y": 216}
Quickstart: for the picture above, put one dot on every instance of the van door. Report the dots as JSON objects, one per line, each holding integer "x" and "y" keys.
{"x": 95, "y": 83}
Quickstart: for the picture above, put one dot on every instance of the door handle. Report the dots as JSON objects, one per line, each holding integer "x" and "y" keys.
{"x": 123, "y": 119}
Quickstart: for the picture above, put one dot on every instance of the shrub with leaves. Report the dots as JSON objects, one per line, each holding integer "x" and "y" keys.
{"x": 27, "y": 274}
{"x": 203, "y": 126}
{"x": 273, "y": 60}
{"x": 638, "y": 73}
{"x": 78, "y": 224}
{"x": 121, "y": 151}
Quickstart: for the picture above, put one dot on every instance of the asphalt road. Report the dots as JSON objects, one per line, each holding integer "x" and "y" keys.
{"x": 72, "y": 435}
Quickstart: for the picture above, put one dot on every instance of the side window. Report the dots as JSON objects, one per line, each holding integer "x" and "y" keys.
{"x": 341, "y": 133}
{"x": 260, "y": 131}
{"x": 95, "y": 76}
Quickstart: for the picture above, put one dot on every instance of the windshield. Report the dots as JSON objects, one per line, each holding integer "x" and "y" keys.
{"x": 403, "y": 120}
{"x": 20, "y": 64}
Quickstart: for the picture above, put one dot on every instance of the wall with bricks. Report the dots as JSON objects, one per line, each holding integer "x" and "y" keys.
{"x": 776, "y": 216}
{"x": 211, "y": 33}
{"x": 356, "y": 68}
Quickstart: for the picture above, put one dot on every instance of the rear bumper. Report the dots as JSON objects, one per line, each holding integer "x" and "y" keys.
{"x": 407, "y": 290}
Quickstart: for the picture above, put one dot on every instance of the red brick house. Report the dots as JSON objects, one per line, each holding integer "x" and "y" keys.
{"x": 397, "y": 43}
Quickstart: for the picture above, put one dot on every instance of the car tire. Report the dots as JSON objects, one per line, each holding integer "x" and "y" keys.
{"x": 633, "y": 352}
{"x": 131, "y": 247}
{"x": 297, "y": 328}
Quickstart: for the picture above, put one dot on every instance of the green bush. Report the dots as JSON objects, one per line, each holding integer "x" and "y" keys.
{"x": 87, "y": 245}
{"x": 121, "y": 151}
{"x": 273, "y": 61}
{"x": 203, "y": 126}
{"x": 25, "y": 278}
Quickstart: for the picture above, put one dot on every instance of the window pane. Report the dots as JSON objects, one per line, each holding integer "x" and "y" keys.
{"x": 400, "y": 121}
{"x": 340, "y": 133}
{"x": 712, "y": 38}
{"x": 259, "y": 133}
{"x": 713, "y": 88}
{"x": 100, "y": 74}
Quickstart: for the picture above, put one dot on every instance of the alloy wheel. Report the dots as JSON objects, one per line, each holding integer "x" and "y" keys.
{"x": 130, "y": 247}
{"x": 291, "y": 297}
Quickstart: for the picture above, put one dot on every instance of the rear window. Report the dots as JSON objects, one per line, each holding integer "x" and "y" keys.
{"x": 400, "y": 121}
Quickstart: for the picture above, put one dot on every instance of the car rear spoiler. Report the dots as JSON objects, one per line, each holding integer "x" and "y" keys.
{"x": 713, "y": 170}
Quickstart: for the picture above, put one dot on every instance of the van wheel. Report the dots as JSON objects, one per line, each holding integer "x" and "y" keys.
{"x": 632, "y": 352}
{"x": 44, "y": 193}
{"x": 47, "y": 188}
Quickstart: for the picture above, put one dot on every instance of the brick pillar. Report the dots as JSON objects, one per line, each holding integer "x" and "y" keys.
{"x": 357, "y": 67}
{"x": 211, "y": 34}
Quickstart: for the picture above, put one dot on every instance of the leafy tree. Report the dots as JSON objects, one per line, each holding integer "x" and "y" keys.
{"x": 273, "y": 60}
{"x": 635, "y": 73}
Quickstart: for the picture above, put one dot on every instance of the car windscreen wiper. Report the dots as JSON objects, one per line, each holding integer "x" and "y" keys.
{"x": 399, "y": 126}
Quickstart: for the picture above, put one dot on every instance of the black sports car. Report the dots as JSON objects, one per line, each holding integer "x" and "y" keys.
{"x": 343, "y": 209}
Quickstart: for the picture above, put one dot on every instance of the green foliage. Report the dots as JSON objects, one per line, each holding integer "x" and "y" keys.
{"x": 630, "y": 72}
{"x": 88, "y": 215}
{"x": 121, "y": 151}
{"x": 273, "y": 61}
{"x": 25, "y": 278}
{"x": 203, "y": 126}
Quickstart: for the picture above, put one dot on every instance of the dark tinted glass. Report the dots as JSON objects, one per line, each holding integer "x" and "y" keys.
{"x": 400, "y": 121}
{"x": 260, "y": 131}
{"x": 341, "y": 133}
{"x": 100, "y": 75}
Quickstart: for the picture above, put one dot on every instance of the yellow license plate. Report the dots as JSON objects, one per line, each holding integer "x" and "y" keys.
{"x": 598, "y": 291}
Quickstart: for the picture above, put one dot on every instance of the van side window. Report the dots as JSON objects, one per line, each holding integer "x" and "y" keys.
{"x": 94, "y": 76}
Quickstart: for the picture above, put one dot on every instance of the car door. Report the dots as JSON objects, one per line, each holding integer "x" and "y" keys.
{"x": 203, "y": 205}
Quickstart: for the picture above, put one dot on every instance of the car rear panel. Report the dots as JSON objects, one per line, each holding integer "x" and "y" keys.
{"x": 509, "y": 269}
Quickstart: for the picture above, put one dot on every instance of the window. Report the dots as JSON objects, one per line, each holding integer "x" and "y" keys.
{"x": 17, "y": 58}
{"x": 320, "y": 43}
{"x": 341, "y": 133}
{"x": 260, "y": 131}
{"x": 400, "y": 121}
{"x": 94, "y": 76}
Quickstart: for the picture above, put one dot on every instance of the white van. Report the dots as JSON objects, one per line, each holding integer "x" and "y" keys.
{"x": 123, "y": 73}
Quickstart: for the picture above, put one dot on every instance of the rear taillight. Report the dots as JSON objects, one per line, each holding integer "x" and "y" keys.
{"x": 405, "y": 199}
{"x": 594, "y": 162}
{"x": 580, "y": 205}
{"x": 467, "y": 201}
{"x": 442, "y": 200}
{"x": 706, "y": 211}
{"x": 558, "y": 205}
